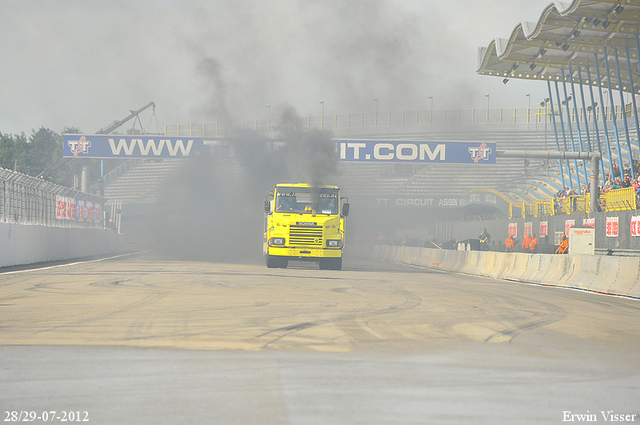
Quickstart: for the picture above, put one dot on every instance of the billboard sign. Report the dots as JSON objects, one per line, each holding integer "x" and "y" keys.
{"x": 129, "y": 146}
{"x": 417, "y": 151}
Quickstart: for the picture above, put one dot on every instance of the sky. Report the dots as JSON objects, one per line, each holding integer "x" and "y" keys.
{"x": 86, "y": 64}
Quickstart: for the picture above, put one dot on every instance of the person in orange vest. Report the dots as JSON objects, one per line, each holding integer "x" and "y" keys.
{"x": 533, "y": 245}
{"x": 509, "y": 243}
{"x": 564, "y": 246}
{"x": 525, "y": 242}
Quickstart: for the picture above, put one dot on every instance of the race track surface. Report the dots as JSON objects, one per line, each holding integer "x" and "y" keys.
{"x": 140, "y": 339}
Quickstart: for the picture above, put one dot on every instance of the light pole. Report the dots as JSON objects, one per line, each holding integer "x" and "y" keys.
{"x": 217, "y": 120}
{"x": 269, "y": 122}
{"x": 376, "y": 121}
{"x": 322, "y": 117}
{"x": 431, "y": 99}
{"x": 547, "y": 115}
{"x": 487, "y": 96}
{"x": 528, "y": 110}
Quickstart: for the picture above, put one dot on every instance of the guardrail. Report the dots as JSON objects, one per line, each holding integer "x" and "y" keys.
{"x": 604, "y": 274}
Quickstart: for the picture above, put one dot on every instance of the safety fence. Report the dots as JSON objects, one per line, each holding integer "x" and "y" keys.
{"x": 613, "y": 200}
{"x": 28, "y": 200}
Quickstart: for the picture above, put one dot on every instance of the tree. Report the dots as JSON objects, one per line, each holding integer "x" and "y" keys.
{"x": 38, "y": 152}
{"x": 9, "y": 148}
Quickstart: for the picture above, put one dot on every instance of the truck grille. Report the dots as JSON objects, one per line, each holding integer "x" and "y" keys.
{"x": 305, "y": 235}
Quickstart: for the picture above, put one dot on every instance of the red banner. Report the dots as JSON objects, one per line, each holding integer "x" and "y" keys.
{"x": 568, "y": 224}
{"x": 635, "y": 225}
{"x": 544, "y": 228}
{"x": 612, "y": 227}
{"x": 528, "y": 228}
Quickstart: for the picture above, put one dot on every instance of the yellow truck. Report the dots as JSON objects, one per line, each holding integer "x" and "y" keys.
{"x": 304, "y": 222}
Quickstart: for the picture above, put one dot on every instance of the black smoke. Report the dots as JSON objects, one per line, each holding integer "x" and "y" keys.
{"x": 212, "y": 208}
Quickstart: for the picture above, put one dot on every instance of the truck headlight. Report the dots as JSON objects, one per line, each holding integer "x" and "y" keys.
{"x": 334, "y": 243}
{"x": 276, "y": 241}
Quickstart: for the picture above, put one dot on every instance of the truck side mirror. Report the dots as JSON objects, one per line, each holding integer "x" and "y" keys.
{"x": 267, "y": 207}
{"x": 345, "y": 210}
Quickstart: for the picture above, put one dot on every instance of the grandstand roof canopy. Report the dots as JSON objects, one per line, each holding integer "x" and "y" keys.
{"x": 571, "y": 34}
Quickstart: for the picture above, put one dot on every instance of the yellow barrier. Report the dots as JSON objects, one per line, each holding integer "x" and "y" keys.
{"x": 614, "y": 200}
{"x": 619, "y": 200}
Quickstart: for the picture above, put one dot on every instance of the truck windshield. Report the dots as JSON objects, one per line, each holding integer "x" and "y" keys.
{"x": 302, "y": 200}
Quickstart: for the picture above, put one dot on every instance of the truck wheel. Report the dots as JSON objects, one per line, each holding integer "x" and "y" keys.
{"x": 336, "y": 264}
{"x": 331, "y": 264}
{"x": 272, "y": 262}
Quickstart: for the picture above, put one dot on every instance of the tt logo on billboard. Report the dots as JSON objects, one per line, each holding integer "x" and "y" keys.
{"x": 79, "y": 146}
{"x": 480, "y": 153}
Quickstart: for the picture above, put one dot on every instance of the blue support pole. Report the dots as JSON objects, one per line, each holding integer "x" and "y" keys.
{"x": 613, "y": 115}
{"x": 624, "y": 114}
{"x": 633, "y": 99}
{"x": 564, "y": 136}
{"x": 594, "y": 107}
{"x": 577, "y": 118}
{"x": 604, "y": 118}
{"x": 634, "y": 94}
{"x": 584, "y": 111}
{"x": 573, "y": 145}
{"x": 555, "y": 130}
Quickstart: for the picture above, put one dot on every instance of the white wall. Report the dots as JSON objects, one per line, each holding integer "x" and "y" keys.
{"x": 22, "y": 244}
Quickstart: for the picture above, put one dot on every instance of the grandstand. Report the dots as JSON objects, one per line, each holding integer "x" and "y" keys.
{"x": 142, "y": 181}
{"x": 565, "y": 49}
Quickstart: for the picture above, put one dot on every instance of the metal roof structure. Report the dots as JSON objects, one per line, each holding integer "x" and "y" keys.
{"x": 583, "y": 38}
{"x": 592, "y": 43}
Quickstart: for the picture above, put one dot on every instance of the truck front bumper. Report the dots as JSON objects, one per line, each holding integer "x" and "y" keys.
{"x": 301, "y": 253}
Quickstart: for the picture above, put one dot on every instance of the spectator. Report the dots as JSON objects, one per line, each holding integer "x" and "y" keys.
{"x": 533, "y": 245}
{"x": 556, "y": 206}
{"x": 525, "y": 242}
{"x": 485, "y": 240}
{"x": 564, "y": 246}
{"x": 509, "y": 243}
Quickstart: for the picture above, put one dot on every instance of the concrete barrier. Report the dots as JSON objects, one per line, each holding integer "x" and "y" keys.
{"x": 22, "y": 244}
{"x": 603, "y": 274}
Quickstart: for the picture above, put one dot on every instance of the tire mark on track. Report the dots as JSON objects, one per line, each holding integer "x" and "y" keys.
{"x": 150, "y": 299}
{"x": 551, "y": 314}
{"x": 349, "y": 322}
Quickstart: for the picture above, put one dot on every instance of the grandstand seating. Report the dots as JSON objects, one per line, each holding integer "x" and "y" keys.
{"x": 141, "y": 183}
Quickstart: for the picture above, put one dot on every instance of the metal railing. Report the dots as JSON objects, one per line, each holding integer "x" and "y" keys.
{"x": 114, "y": 174}
{"x": 536, "y": 115}
{"x": 28, "y": 200}
{"x": 613, "y": 200}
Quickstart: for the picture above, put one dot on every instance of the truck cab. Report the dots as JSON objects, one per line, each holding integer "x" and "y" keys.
{"x": 305, "y": 222}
